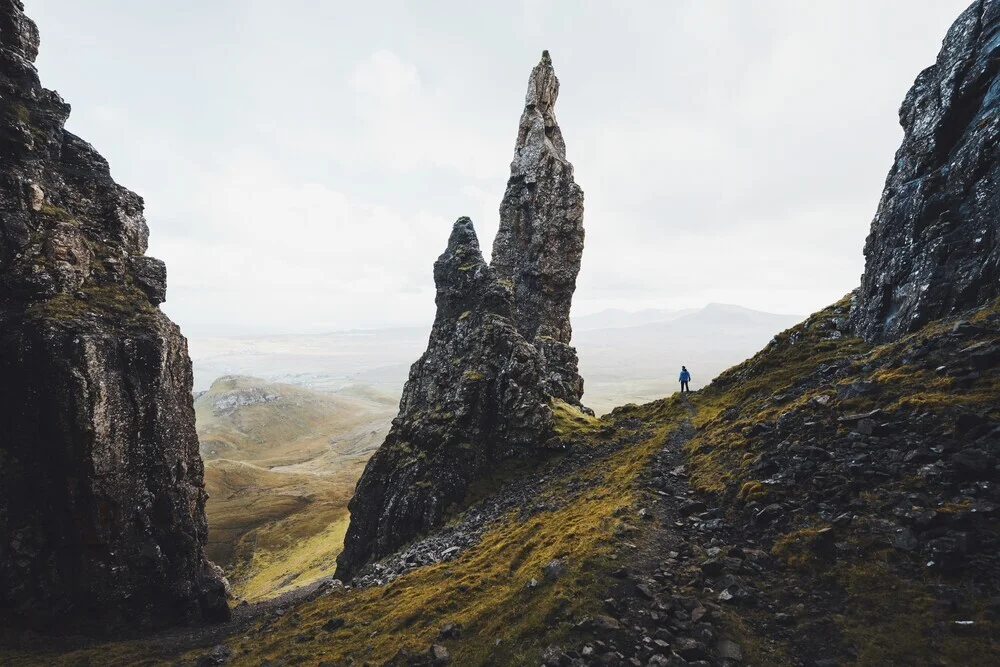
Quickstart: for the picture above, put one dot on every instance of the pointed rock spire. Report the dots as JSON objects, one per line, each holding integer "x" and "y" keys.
{"x": 539, "y": 245}
{"x": 498, "y": 357}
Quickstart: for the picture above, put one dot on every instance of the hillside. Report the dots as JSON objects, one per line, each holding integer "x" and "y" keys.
{"x": 281, "y": 464}
{"x": 279, "y": 425}
{"x": 811, "y": 503}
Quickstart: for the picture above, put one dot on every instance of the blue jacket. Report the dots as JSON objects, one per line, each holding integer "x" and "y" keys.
{"x": 685, "y": 376}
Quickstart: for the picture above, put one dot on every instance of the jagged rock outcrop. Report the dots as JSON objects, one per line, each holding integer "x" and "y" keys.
{"x": 474, "y": 398}
{"x": 498, "y": 359}
{"x": 102, "y": 519}
{"x": 539, "y": 245}
{"x": 934, "y": 247}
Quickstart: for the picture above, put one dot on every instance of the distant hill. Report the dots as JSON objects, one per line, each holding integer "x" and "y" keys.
{"x": 281, "y": 464}
{"x": 272, "y": 424}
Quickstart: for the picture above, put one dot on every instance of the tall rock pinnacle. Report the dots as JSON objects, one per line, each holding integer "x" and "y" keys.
{"x": 934, "y": 247}
{"x": 540, "y": 241}
{"x": 102, "y": 501}
{"x": 498, "y": 358}
{"x": 539, "y": 245}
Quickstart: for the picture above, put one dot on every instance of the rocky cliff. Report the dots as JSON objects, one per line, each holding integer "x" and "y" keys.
{"x": 934, "y": 247}
{"x": 102, "y": 516}
{"x": 539, "y": 245}
{"x": 498, "y": 359}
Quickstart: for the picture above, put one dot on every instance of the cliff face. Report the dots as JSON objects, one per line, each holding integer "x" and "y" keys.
{"x": 498, "y": 355}
{"x": 934, "y": 247}
{"x": 539, "y": 245}
{"x": 101, "y": 494}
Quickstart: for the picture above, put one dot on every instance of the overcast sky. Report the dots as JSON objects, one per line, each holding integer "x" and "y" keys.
{"x": 302, "y": 161}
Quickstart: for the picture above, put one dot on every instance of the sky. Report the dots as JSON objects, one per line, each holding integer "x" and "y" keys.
{"x": 302, "y": 162}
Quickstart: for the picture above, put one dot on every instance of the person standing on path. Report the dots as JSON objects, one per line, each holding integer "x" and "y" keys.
{"x": 685, "y": 378}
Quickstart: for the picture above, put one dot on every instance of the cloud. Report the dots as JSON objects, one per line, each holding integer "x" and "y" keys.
{"x": 411, "y": 126}
{"x": 300, "y": 251}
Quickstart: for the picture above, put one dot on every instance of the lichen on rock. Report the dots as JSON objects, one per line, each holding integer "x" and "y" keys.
{"x": 102, "y": 502}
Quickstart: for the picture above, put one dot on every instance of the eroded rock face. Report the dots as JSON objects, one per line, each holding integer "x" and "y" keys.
{"x": 498, "y": 355}
{"x": 102, "y": 520}
{"x": 539, "y": 245}
{"x": 934, "y": 247}
{"x": 475, "y": 398}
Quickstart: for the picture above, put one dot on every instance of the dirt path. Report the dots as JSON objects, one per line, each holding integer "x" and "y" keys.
{"x": 658, "y": 609}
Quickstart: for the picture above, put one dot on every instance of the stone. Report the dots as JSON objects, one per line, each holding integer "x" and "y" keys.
{"x": 865, "y": 427}
{"x": 692, "y": 507}
{"x": 334, "y": 624}
{"x": 727, "y": 649}
{"x": 973, "y": 464}
{"x": 450, "y": 631}
{"x": 690, "y": 649}
{"x": 712, "y": 567}
{"x": 439, "y": 655}
{"x": 934, "y": 246}
{"x": 769, "y": 513}
{"x": 553, "y": 656}
{"x": 553, "y": 570}
{"x": 602, "y": 622}
{"x": 101, "y": 481}
{"x": 905, "y": 540}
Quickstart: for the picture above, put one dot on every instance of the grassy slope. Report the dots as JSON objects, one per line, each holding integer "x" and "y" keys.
{"x": 298, "y": 427}
{"x": 277, "y": 508}
{"x": 486, "y": 589}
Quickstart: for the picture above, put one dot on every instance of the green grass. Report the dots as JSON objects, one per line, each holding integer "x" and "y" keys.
{"x": 119, "y": 302}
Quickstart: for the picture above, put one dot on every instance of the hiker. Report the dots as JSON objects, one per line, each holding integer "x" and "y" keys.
{"x": 685, "y": 378}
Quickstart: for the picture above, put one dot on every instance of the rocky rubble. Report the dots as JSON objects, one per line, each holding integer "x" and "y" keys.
{"x": 498, "y": 355}
{"x": 934, "y": 247}
{"x": 102, "y": 517}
